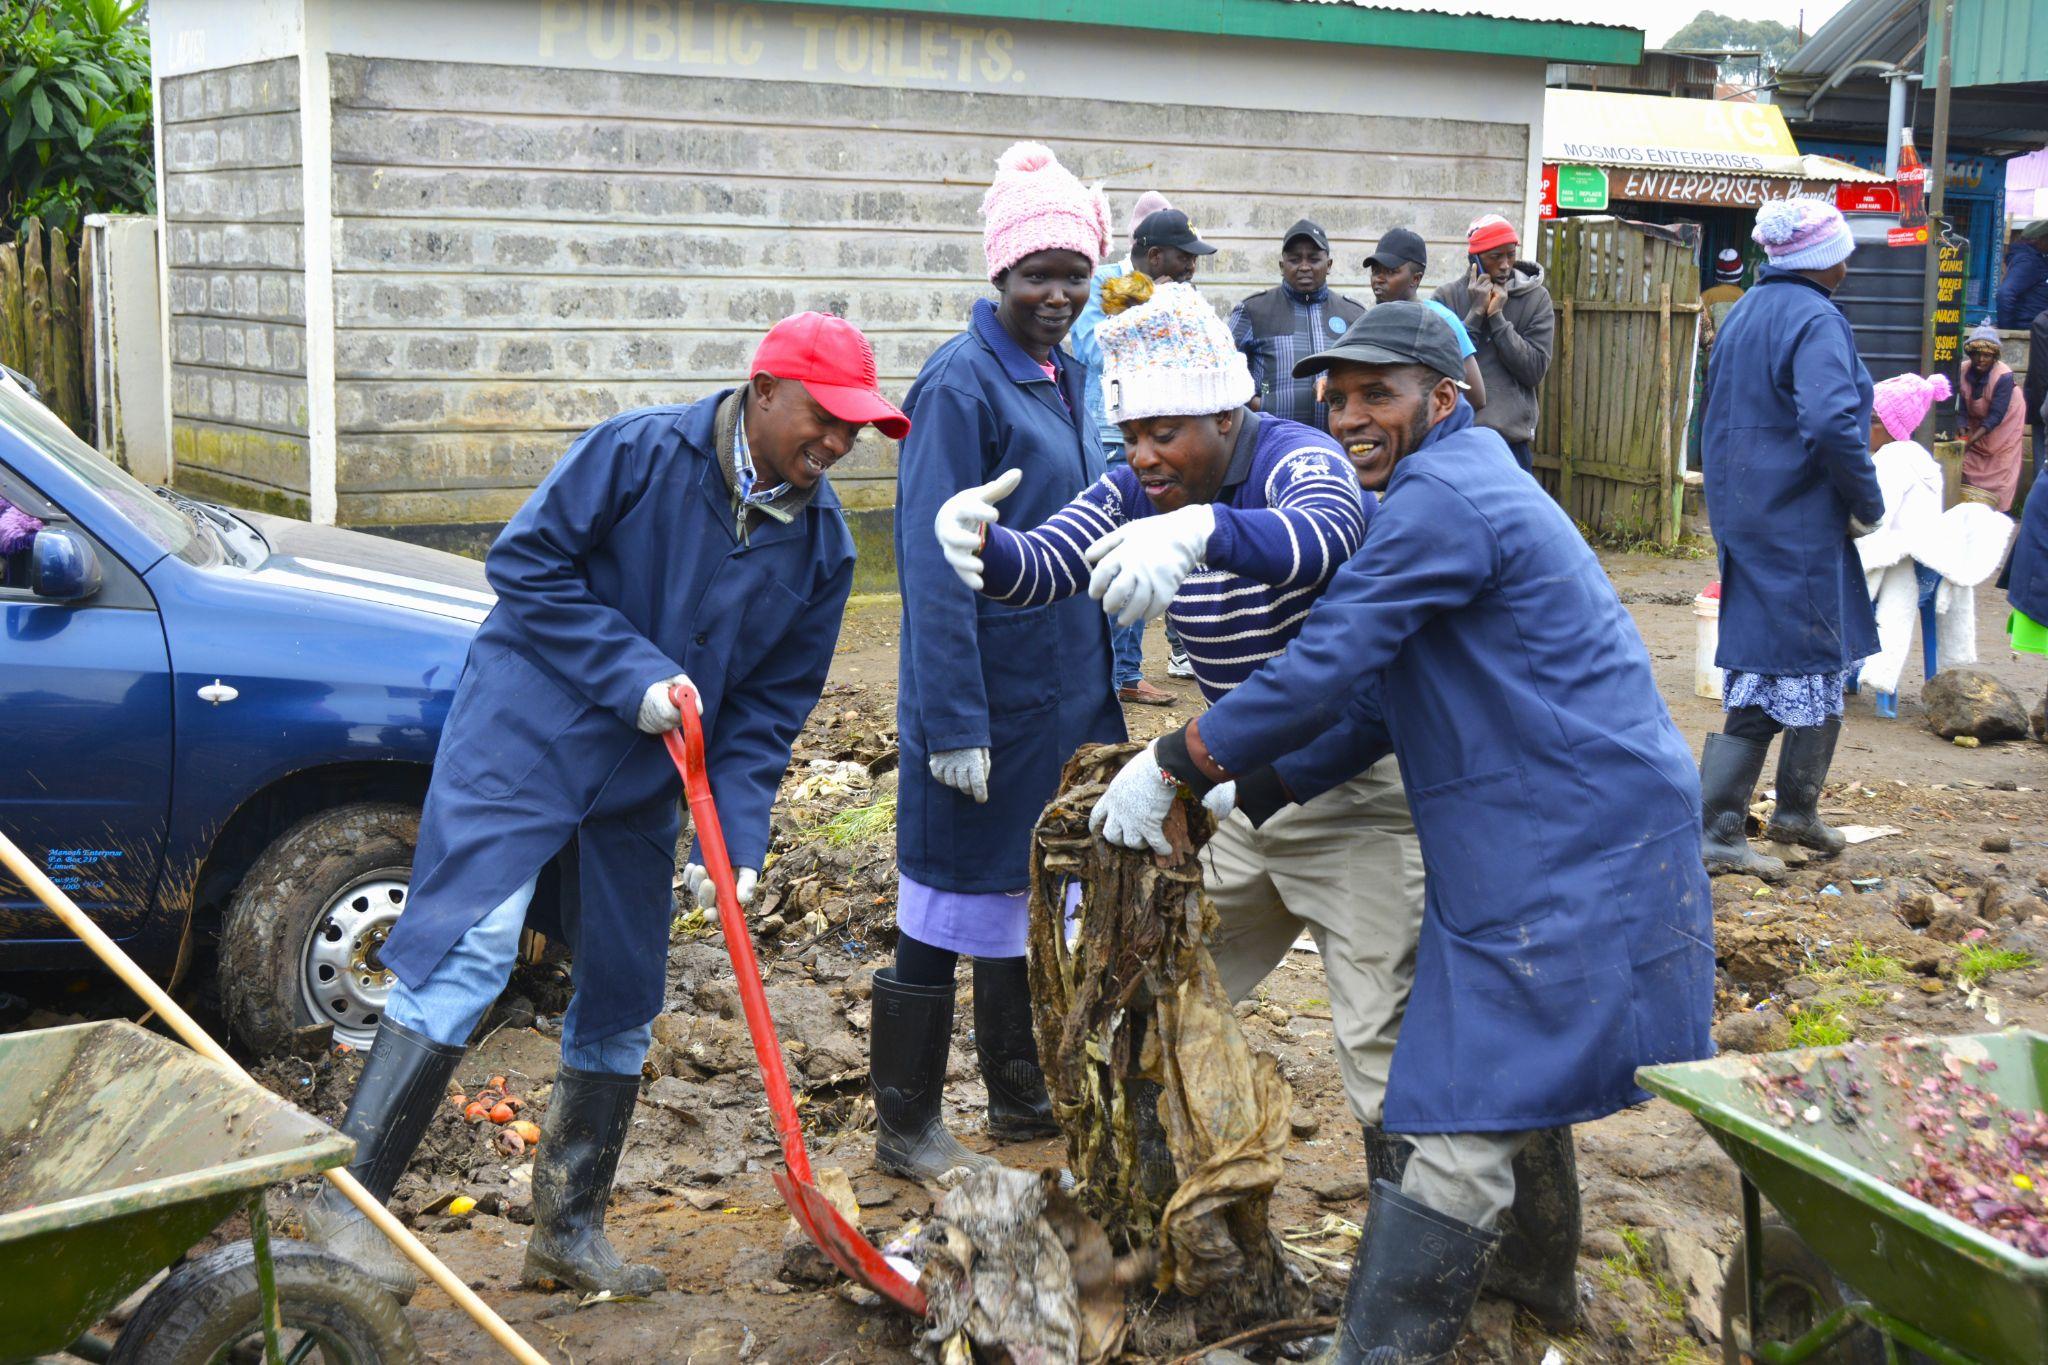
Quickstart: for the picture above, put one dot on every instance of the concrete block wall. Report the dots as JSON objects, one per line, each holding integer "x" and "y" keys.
{"x": 234, "y": 225}
{"x": 521, "y": 251}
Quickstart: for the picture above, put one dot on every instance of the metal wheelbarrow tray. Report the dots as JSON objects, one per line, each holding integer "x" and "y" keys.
{"x": 118, "y": 1151}
{"x": 1932, "y": 1282}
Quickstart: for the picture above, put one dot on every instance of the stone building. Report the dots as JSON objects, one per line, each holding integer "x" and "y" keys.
{"x": 415, "y": 245}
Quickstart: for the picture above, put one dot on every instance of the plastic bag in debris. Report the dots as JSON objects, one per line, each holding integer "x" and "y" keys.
{"x": 1011, "y": 1266}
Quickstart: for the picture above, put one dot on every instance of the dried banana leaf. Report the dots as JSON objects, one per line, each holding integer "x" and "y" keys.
{"x": 1175, "y": 1127}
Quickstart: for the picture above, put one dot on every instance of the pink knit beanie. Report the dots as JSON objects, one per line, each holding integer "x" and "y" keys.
{"x": 1902, "y": 401}
{"x": 1803, "y": 234}
{"x": 1149, "y": 203}
{"x": 1036, "y": 204}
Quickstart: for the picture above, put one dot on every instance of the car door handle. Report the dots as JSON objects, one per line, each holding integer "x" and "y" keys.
{"x": 217, "y": 692}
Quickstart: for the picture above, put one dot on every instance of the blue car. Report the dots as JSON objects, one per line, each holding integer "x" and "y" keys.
{"x": 218, "y": 731}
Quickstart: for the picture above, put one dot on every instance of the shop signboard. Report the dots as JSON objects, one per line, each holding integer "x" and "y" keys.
{"x": 1951, "y": 274}
{"x": 1546, "y": 204}
{"x": 1867, "y": 199}
{"x": 1711, "y": 188}
{"x": 1582, "y": 187}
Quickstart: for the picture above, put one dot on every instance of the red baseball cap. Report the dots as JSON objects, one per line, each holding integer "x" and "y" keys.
{"x": 1488, "y": 232}
{"x": 836, "y": 366}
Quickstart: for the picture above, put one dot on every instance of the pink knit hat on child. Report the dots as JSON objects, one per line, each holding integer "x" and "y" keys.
{"x": 1036, "y": 204}
{"x": 1902, "y": 401}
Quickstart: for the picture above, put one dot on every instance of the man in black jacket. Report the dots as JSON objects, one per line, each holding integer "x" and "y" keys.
{"x": 1293, "y": 320}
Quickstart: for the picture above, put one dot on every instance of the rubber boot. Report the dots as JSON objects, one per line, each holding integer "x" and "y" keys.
{"x": 1386, "y": 1156}
{"x": 1804, "y": 755}
{"x": 1729, "y": 767}
{"x": 1413, "y": 1284}
{"x": 580, "y": 1141}
{"x": 1538, "y": 1262}
{"x": 403, "y": 1085}
{"x": 909, "y": 1033}
{"x": 1018, "y": 1105}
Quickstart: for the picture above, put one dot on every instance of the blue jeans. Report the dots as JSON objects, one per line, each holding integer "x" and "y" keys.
{"x": 1126, "y": 643}
{"x": 451, "y": 1002}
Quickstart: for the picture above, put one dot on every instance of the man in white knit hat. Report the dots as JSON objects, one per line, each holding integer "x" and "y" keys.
{"x": 1231, "y": 522}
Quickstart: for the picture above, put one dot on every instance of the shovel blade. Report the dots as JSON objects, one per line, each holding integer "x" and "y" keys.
{"x": 844, "y": 1246}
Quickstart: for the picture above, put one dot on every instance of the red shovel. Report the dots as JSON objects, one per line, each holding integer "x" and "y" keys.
{"x": 837, "y": 1238}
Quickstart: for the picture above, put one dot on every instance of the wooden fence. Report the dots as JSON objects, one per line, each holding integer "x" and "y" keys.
{"x": 42, "y": 321}
{"x": 1610, "y": 438}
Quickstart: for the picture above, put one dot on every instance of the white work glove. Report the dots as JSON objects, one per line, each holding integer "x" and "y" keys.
{"x": 1221, "y": 800}
{"x": 1139, "y": 566}
{"x": 963, "y": 522}
{"x": 658, "y": 715}
{"x": 706, "y": 894}
{"x": 1132, "y": 812}
{"x": 964, "y": 770}
{"x": 1860, "y": 529}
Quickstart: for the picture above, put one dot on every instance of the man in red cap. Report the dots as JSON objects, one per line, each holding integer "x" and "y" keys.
{"x": 1507, "y": 313}
{"x": 697, "y": 545}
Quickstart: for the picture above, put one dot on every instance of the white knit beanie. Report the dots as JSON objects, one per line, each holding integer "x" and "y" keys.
{"x": 1803, "y": 234}
{"x": 1170, "y": 357}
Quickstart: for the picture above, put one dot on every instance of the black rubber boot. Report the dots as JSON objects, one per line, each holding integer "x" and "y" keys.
{"x": 1018, "y": 1106}
{"x": 1538, "y": 1262}
{"x": 403, "y": 1085}
{"x": 1386, "y": 1156}
{"x": 1729, "y": 767}
{"x": 1805, "y": 753}
{"x": 1413, "y": 1283}
{"x": 910, "y": 1030}
{"x": 580, "y": 1141}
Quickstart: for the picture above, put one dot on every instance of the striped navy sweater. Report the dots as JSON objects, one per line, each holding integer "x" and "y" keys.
{"x": 1288, "y": 514}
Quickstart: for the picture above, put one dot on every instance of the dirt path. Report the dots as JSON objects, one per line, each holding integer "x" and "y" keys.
{"x": 1968, "y": 873}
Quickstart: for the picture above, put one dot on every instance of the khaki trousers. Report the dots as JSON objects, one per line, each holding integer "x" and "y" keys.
{"x": 1347, "y": 868}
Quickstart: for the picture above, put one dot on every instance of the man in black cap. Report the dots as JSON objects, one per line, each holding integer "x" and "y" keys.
{"x": 1296, "y": 318}
{"x": 1166, "y": 248}
{"x": 1565, "y": 939}
{"x": 1395, "y": 269}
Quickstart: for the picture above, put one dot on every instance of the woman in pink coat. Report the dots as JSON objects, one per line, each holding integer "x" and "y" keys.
{"x": 1989, "y": 403}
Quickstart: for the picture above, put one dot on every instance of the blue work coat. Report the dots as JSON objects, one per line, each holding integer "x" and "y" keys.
{"x": 1030, "y": 684}
{"x": 2026, "y": 574}
{"x": 1786, "y": 444}
{"x": 1567, "y": 936}
{"x": 622, "y": 570}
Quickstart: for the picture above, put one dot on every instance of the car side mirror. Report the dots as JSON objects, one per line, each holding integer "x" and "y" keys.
{"x": 63, "y": 566}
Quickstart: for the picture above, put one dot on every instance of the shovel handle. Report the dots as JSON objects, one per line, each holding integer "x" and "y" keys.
{"x": 686, "y": 746}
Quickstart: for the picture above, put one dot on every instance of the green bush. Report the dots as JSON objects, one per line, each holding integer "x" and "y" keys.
{"x": 74, "y": 111}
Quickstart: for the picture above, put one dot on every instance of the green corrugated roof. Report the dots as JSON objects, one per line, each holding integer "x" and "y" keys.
{"x": 1998, "y": 42}
{"x": 1450, "y": 29}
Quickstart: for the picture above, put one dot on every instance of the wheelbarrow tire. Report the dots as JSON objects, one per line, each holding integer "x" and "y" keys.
{"x": 267, "y": 931}
{"x": 214, "y": 1301}
{"x": 1790, "y": 1266}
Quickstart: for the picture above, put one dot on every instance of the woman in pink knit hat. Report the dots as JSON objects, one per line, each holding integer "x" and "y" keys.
{"x": 991, "y": 699}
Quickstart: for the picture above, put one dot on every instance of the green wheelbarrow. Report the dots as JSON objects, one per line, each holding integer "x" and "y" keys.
{"x": 119, "y": 1150}
{"x": 1853, "y": 1270}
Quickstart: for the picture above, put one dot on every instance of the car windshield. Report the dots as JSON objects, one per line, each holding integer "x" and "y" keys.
{"x": 163, "y": 522}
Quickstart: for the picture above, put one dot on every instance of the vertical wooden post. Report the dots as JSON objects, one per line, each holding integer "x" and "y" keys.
{"x": 1673, "y": 484}
{"x": 13, "y": 324}
{"x": 66, "y": 368}
{"x": 35, "y": 277}
{"x": 1567, "y": 358}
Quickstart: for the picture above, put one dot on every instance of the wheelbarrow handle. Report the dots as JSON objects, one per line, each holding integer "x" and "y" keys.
{"x": 686, "y": 746}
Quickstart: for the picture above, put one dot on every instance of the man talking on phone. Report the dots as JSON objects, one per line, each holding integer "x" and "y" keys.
{"x": 1507, "y": 312}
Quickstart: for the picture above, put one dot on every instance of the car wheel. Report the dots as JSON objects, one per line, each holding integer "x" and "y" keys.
{"x": 299, "y": 943}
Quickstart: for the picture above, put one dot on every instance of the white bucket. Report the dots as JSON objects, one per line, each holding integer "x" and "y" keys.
{"x": 1706, "y": 678}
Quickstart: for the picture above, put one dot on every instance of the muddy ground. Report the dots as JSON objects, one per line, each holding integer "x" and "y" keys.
{"x": 1904, "y": 934}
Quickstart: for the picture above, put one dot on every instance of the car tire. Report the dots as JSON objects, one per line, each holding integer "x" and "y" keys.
{"x": 300, "y": 886}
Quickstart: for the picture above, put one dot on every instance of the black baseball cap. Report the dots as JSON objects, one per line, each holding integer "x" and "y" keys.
{"x": 1309, "y": 228}
{"x": 1398, "y": 248}
{"x": 1169, "y": 227}
{"x": 1404, "y": 333}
